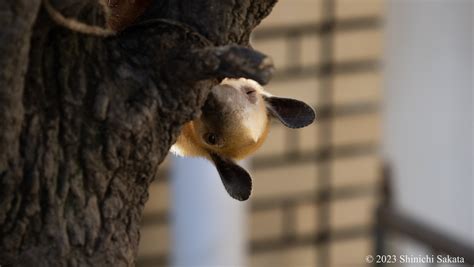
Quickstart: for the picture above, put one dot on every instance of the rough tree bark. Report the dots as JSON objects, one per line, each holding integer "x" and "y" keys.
{"x": 85, "y": 121}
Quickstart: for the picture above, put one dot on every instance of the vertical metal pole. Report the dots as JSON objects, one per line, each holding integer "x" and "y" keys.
{"x": 385, "y": 203}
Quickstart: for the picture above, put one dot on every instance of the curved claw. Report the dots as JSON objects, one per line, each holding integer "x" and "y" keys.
{"x": 230, "y": 61}
{"x": 239, "y": 61}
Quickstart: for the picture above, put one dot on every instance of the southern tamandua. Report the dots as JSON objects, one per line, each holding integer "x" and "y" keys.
{"x": 234, "y": 123}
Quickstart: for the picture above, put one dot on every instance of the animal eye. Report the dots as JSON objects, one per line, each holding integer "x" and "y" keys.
{"x": 251, "y": 94}
{"x": 249, "y": 90}
{"x": 210, "y": 138}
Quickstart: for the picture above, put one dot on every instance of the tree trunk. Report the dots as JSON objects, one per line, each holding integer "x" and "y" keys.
{"x": 85, "y": 121}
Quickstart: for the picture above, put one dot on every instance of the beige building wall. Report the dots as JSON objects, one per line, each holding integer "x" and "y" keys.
{"x": 302, "y": 178}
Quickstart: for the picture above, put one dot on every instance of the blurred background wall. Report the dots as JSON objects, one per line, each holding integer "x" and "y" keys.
{"x": 316, "y": 189}
{"x": 428, "y": 111}
{"x": 428, "y": 133}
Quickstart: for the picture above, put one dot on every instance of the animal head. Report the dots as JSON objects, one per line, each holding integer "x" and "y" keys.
{"x": 234, "y": 123}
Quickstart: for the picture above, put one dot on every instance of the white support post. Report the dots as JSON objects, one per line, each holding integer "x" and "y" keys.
{"x": 209, "y": 227}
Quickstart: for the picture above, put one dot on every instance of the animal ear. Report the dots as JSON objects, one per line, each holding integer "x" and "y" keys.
{"x": 291, "y": 112}
{"x": 236, "y": 180}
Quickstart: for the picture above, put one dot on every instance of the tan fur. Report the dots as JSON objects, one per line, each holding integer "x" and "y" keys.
{"x": 242, "y": 146}
{"x": 189, "y": 144}
{"x": 241, "y": 141}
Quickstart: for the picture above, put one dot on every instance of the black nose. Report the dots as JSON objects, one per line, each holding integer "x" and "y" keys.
{"x": 222, "y": 97}
{"x": 212, "y": 103}
{"x": 217, "y": 104}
